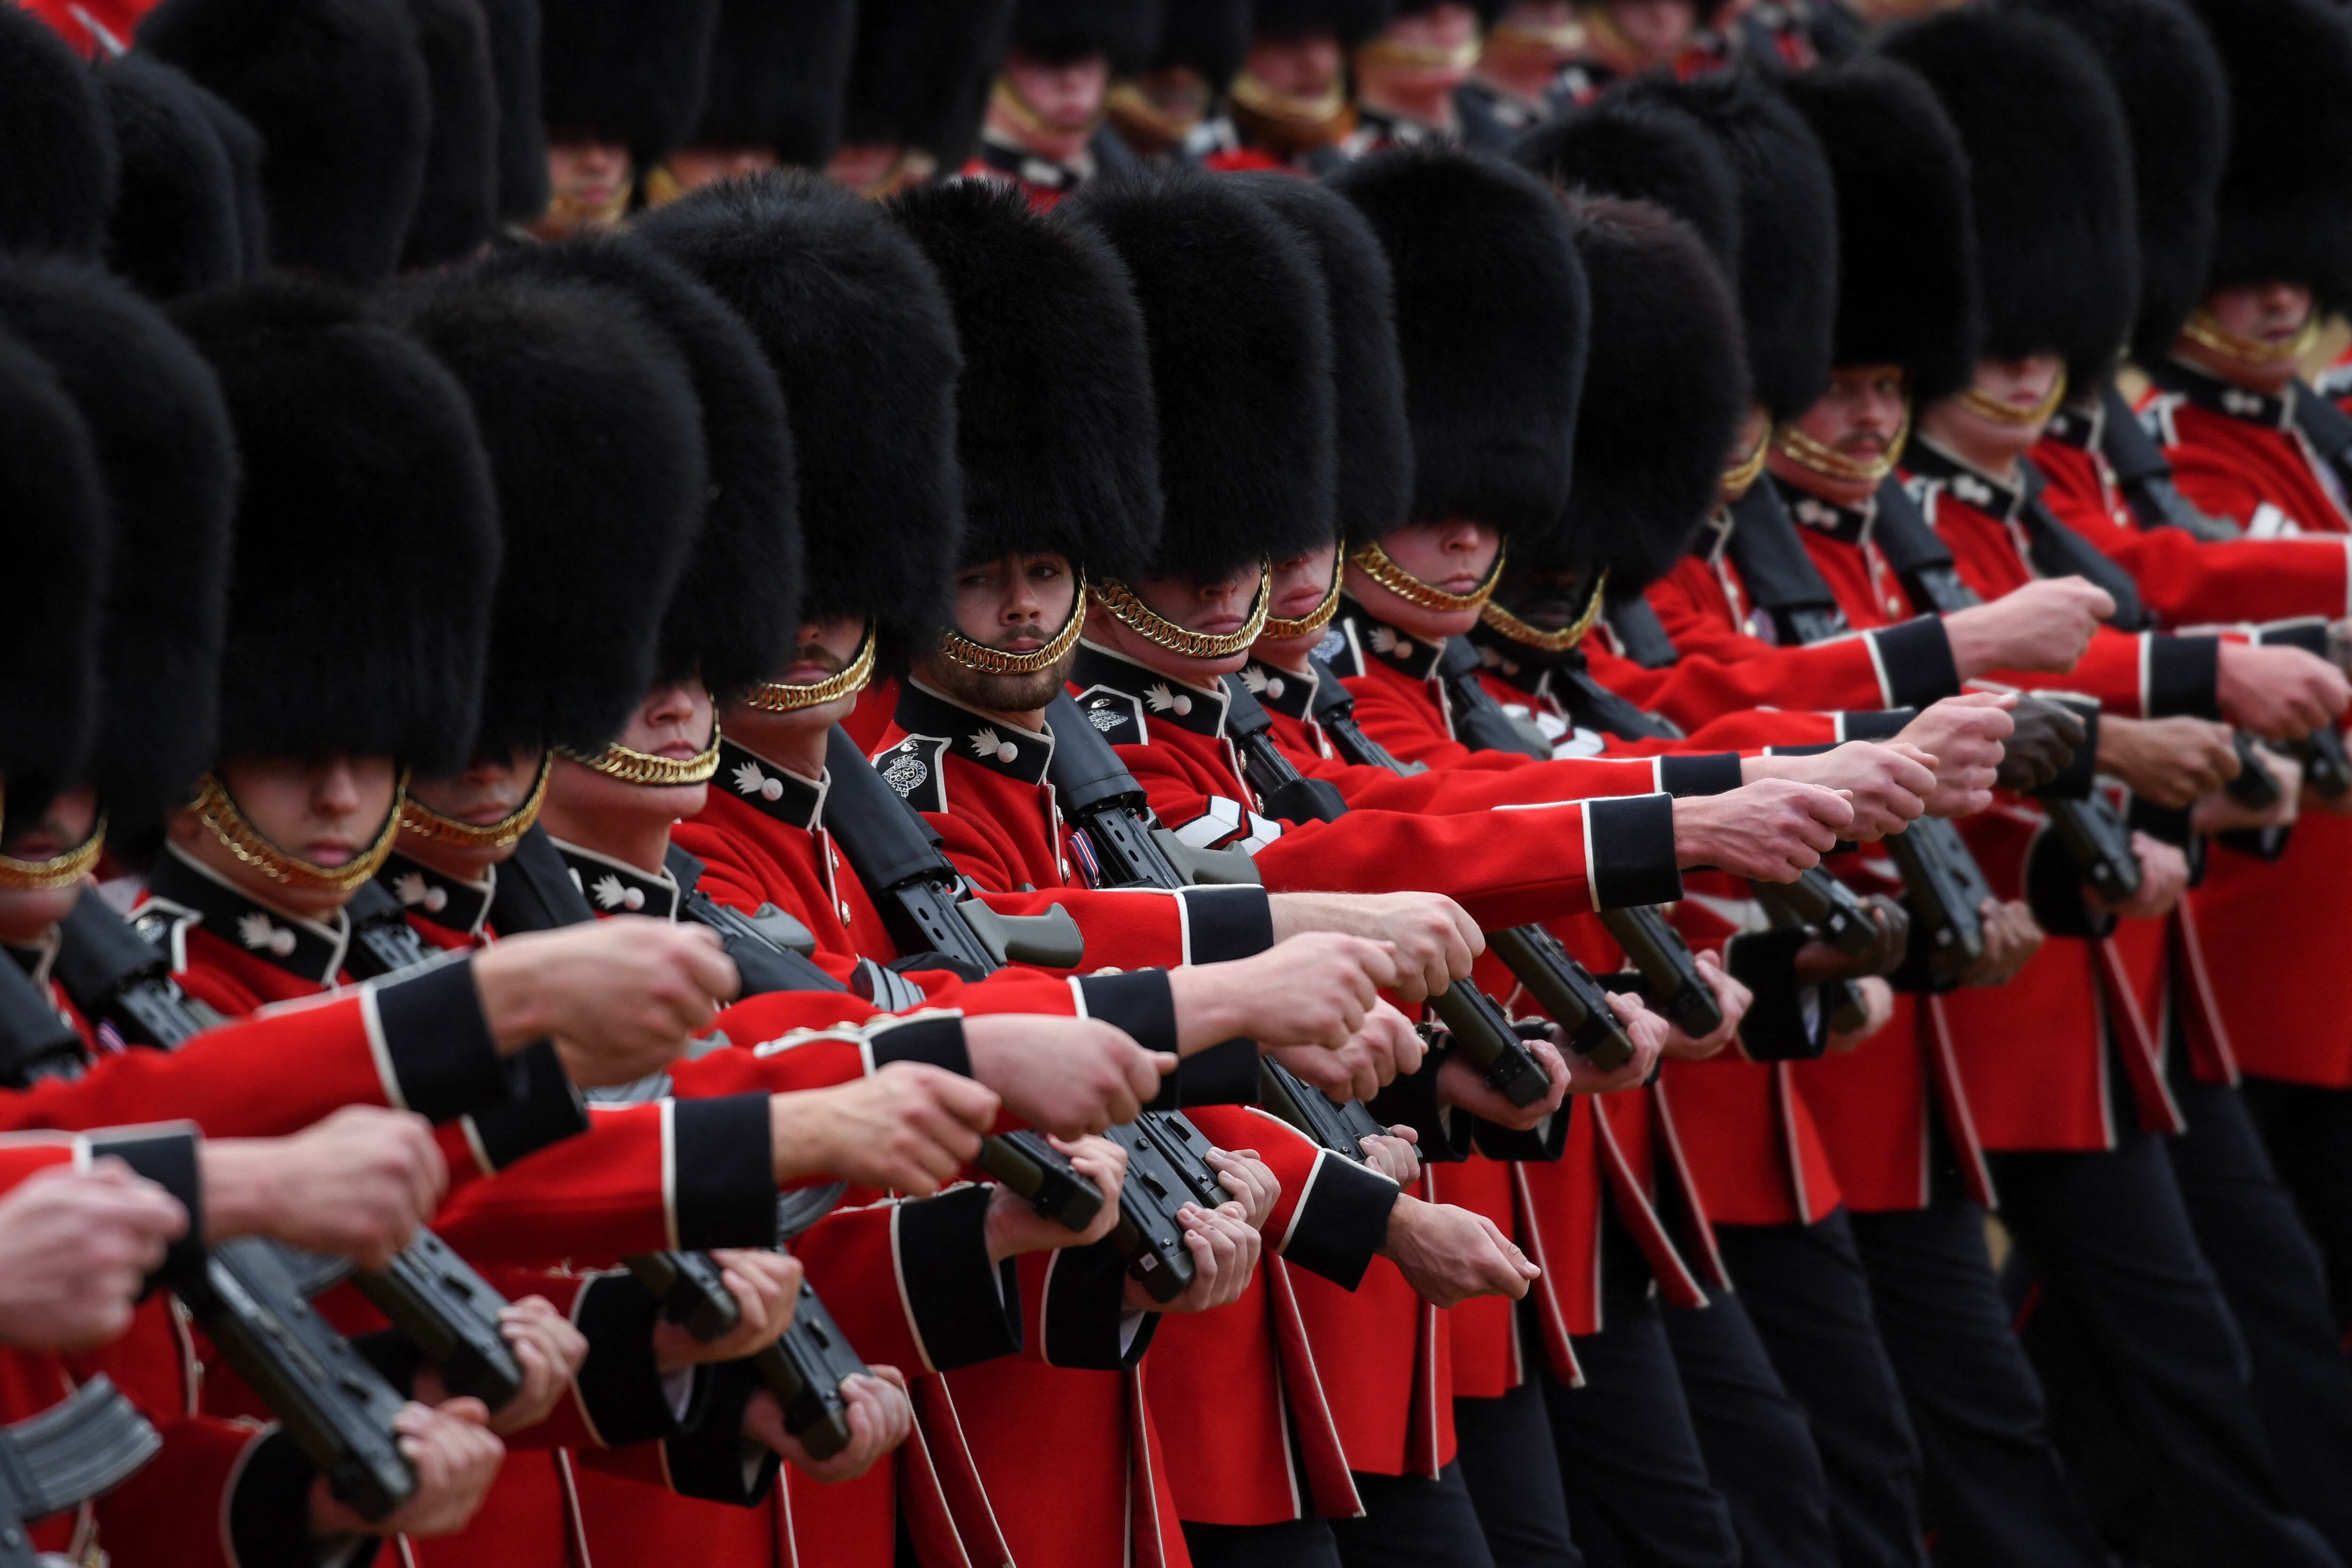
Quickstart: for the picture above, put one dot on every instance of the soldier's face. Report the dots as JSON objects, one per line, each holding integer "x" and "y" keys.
{"x": 694, "y": 167}
{"x": 325, "y": 812}
{"x": 1014, "y": 605}
{"x": 1548, "y": 598}
{"x": 588, "y": 187}
{"x": 2023, "y": 385}
{"x": 490, "y": 790}
{"x": 2272, "y": 313}
{"x": 1455, "y": 555}
{"x": 1218, "y": 607}
{"x": 1658, "y": 31}
{"x": 1858, "y": 417}
{"x": 65, "y": 823}
{"x": 1066, "y": 94}
{"x": 1301, "y": 583}
{"x": 1305, "y": 67}
{"x": 1430, "y": 50}
{"x": 618, "y": 818}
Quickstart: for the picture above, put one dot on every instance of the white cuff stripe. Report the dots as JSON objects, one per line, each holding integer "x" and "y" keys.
{"x": 372, "y": 1019}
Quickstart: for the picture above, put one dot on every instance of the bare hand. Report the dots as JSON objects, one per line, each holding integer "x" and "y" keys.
{"x": 1449, "y": 1255}
{"x": 2163, "y": 878}
{"x": 620, "y": 998}
{"x": 550, "y": 1351}
{"x": 1224, "y": 1248}
{"x": 1645, "y": 1029}
{"x": 1461, "y": 1085}
{"x": 1877, "y": 998}
{"x": 2278, "y": 692}
{"x": 1312, "y": 990}
{"x": 456, "y": 1456}
{"x": 909, "y": 1128}
{"x": 766, "y": 1286}
{"x": 1888, "y": 785}
{"x": 1252, "y": 1182}
{"x": 2047, "y": 736}
{"x": 2169, "y": 761}
{"x": 357, "y": 1185}
{"x": 1817, "y": 962}
{"x": 2222, "y": 812}
{"x": 1768, "y": 831}
{"x": 1394, "y": 1156}
{"x": 2011, "y": 937}
{"x": 1969, "y": 736}
{"x": 878, "y": 1412}
{"x": 1014, "y": 1226}
{"x": 1069, "y": 1077}
{"x": 1434, "y": 938}
{"x": 2046, "y": 625}
{"x": 75, "y": 1248}
{"x": 1731, "y": 998}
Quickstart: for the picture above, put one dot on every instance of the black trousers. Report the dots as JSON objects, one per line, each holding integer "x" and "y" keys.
{"x": 1409, "y": 1522}
{"x": 1805, "y": 1287}
{"x": 1993, "y": 1491}
{"x": 1754, "y": 1435}
{"x": 1302, "y": 1544}
{"x": 2145, "y": 1371}
{"x": 1637, "y": 1486}
{"x": 1513, "y": 1473}
{"x": 2308, "y": 1132}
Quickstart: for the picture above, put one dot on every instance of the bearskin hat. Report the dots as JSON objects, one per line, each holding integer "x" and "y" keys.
{"x": 1349, "y": 21}
{"x": 1636, "y": 146}
{"x": 1666, "y": 346}
{"x": 56, "y": 528}
{"x": 339, "y": 92}
{"x": 161, "y": 436}
{"x": 779, "y": 78}
{"x": 1492, "y": 318}
{"x": 1374, "y": 490}
{"x": 1056, "y": 429}
{"x": 1788, "y": 229}
{"x": 735, "y": 613}
{"x": 921, "y": 74}
{"x": 1907, "y": 245}
{"x": 242, "y": 145}
{"x": 514, "y": 37}
{"x": 1210, "y": 38}
{"x": 458, "y": 206}
{"x": 1240, "y": 347}
{"x": 627, "y": 72}
{"x": 860, "y": 334}
{"x": 173, "y": 229}
{"x": 1123, "y": 31}
{"x": 2285, "y": 211}
{"x": 595, "y": 442}
{"x": 2177, "y": 103}
{"x": 366, "y": 532}
{"x": 57, "y": 143}
{"x": 2050, "y": 183}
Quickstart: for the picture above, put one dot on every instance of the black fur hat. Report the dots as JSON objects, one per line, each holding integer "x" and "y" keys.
{"x": 595, "y": 441}
{"x": 1788, "y": 229}
{"x": 1492, "y": 317}
{"x": 54, "y": 530}
{"x": 1240, "y": 347}
{"x": 627, "y": 72}
{"x": 366, "y": 532}
{"x": 173, "y": 229}
{"x": 57, "y": 143}
{"x": 162, "y": 437}
{"x": 1374, "y": 488}
{"x": 1123, "y": 31}
{"x": 1210, "y": 38}
{"x": 243, "y": 146}
{"x": 1637, "y": 146}
{"x": 339, "y": 92}
{"x": 514, "y": 35}
{"x": 2177, "y": 103}
{"x": 1349, "y": 21}
{"x": 1054, "y": 425}
{"x": 921, "y": 73}
{"x": 2050, "y": 181}
{"x": 1907, "y": 245}
{"x": 734, "y": 616}
{"x": 860, "y": 335}
{"x": 1668, "y": 389}
{"x": 779, "y": 78}
{"x": 2285, "y": 202}
{"x": 458, "y": 206}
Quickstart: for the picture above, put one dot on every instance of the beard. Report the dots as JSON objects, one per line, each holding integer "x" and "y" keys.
{"x": 998, "y": 693}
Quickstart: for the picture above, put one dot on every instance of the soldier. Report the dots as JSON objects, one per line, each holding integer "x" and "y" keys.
{"x": 1044, "y": 129}
{"x": 779, "y": 77}
{"x": 1510, "y": 93}
{"x": 1408, "y": 74}
{"x": 1172, "y": 105}
{"x": 918, "y": 84}
{"x": 1290, "y": 104}
{"x": 621, "y": 86}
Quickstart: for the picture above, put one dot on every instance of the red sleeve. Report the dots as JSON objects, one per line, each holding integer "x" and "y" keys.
{"x": 22, "y": 1153}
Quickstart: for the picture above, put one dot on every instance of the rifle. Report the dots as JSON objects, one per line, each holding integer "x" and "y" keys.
{"x": 2327, "y": 771}
{"x": 1946, "y": 889}
{"x": 2095, "y": 836}
{"x": 2145, "y": 476}
{"x": 1819, "y": 900}
{"x": 1668, "y": 966}
{"x": 34, "y": 1042}
{"x": 2256, "y": 787}
{"x": 440, "y": 1305}
{"x": 71, "y": 1452}
{"x": 122, "y": 982}
{"x": 1164, "y": 1172}
{"x": 1128, "y": 846}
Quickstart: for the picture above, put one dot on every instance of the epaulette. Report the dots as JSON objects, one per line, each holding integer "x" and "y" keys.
{"x": 1118, "y": 715}
{"x": 913, "y": 767}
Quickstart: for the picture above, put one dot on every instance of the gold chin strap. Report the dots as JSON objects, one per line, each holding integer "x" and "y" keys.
{"x": 58, "y": 870}
{"x": 2202, "y": 329}
{"x": 428, "y": 824}
{"x": 1314, "y": 620}
{"x": 957, "y": 648}
{"x": 618, "y": 761}
{"x": 1513, "y": 37}
{"x": 912, "y": 166}
{"x": 1007, "y": 96}
{"x": 1520, "y": 631}
{"x": 1740, "y": 477}
{"x": 1831, "y": 464}
{"x": 218, "y": 811}
{"x": 782, "y": 697}
{"x": 1291, "y": 122}
{"x": 1985, "y": 406}
{"x": 662, "y": 186}
{"x": 1136, "y": 110}
{"x": 1150, "y": 625}
{"x": 576, "y": 216}
{"x": 1387, "y": 51}
{"x": 1376, "y": 565}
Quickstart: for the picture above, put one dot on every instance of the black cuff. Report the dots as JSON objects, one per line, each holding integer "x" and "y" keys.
{"x": 1224, "y": 1074}
{"x": 966, "y": 1309}
{"x": 1914, "y": 656}
{"x": 1809, "y": 749}
{"x": 722, "y": 1174}
{"x": 1711, "y": 773}
{"x": 1343, "y": 1221}
{"x": 2053, "y": 890}
{"x": 1631, "y": 851}
{"x": 1874, "y": 723}
{"x": 1410, "y": 1099}
{"x": 1138, "y": 1002}
{"x": 2077, "y": 779}
{"x": 2308, "y": 633}
{"x": 937, "y": 1039}
{"x": 545, "y": 1110}
{"x": 1085, "y": 1303}
{"x": 1221, "y": 924}
{"x": 269, "y": 1510}
{"x": 621, "y": 1383}
{"x": 710, "y": 1460}
{"x": 1774, "y": 1029}
{"x": 2183, "y": 675}
{"x": 444, "y": 1061}
{"x": 166, "y": 1156}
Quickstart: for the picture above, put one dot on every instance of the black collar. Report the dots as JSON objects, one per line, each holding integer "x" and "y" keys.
{"x": 1931, "y": 468}
{"x": 444, "y": 902}
{"x": 1367, "y": 637}
{"x": 2215, "y": 395}
{"x": 615, "y": 888}
{"x": 999, "y": 747}
{"x": 770, "y": 788}
{"x": 1019, "y": 164}
{"x": 1848, "y": 524}
{"x": 1523, "y": 668}
{"x": 305, "y": 948}
{"x": 1200, "y": 709}
{"x": 1282, "y": 691}
{"x": 1378, "y": 128}
{"x": 2074, "y": 425}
